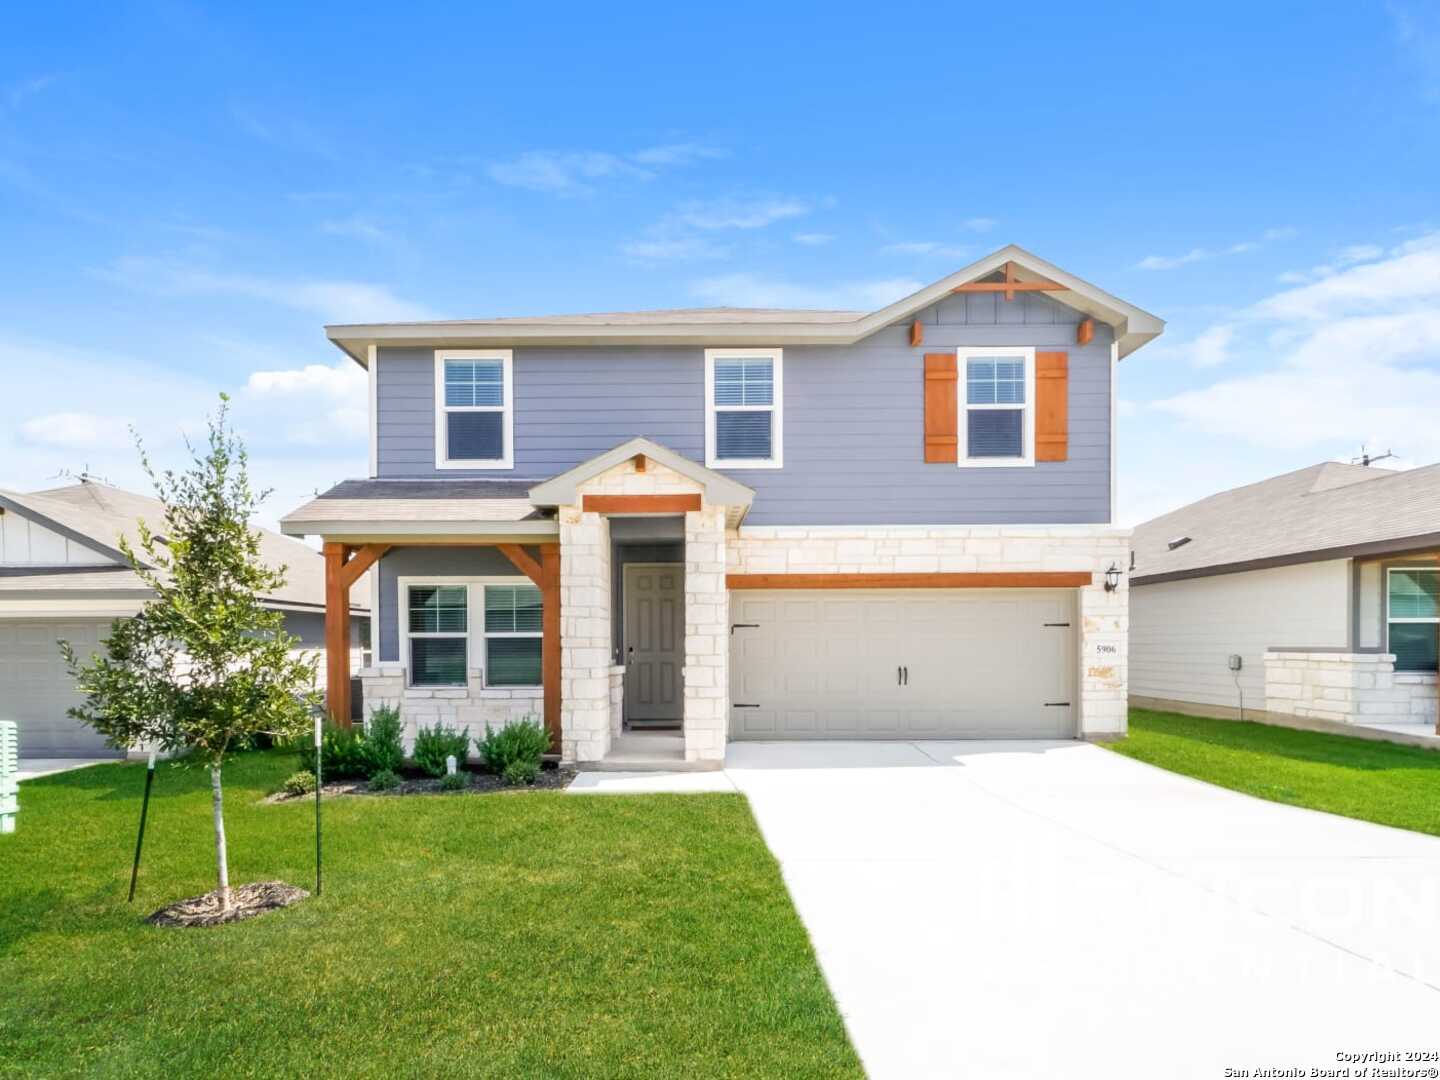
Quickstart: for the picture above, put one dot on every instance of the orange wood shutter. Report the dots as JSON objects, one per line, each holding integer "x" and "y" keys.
{"x": 1052, "y": 406}
{"x": 941, "y": 407}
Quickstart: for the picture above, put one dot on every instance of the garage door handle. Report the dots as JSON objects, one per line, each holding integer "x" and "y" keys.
{"x": 744, "y": 626}
{"x": 737, "y": 705}
{"x": 1057, "y": 624}
{"x": 1057, "y": 704}
{"x": 906, "y": 671}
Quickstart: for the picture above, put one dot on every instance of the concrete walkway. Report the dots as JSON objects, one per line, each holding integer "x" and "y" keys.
{"x": 32, "y": 768}
{"x": 1052, "y": 909}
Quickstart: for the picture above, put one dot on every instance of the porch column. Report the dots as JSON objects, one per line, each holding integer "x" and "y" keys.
{"x": 706, "y": 674}
{"x": 550, "y": 666}
{"x": 337, "y": 635}
{"x": 585, "y": 635}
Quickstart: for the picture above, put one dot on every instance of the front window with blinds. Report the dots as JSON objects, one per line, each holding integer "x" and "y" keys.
{"x": 474, "y": 416}
{"x": 438, "y": 624}
{"x": 1413, "y": 606}
{"x": 744, "y": 419}
{"x": 996, "y": 407}
{"x": 512, "y": 635}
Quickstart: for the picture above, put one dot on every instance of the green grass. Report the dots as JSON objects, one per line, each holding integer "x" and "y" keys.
{"x": 1374, "y": 781}
{"x": 517, "y": 935}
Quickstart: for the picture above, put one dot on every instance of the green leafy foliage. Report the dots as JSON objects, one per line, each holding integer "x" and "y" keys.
{"x": 514, "y": 751}
{"x": 434, "y": 745}
{"x": 342, "y": 753}
{"x": 456, "y": 781}
{"x": 382, "y": 747}
{"x": 384, "y": 780}
{"x": 300, "y": 783}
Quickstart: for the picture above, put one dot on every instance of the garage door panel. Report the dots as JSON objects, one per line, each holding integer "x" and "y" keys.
{"x": 978, "y": 663}
{"x": 36, "y": 689}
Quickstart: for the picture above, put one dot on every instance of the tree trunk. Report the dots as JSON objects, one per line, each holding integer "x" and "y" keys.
{"x": 222, "y": 864}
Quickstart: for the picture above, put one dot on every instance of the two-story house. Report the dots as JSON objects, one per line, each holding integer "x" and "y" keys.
{"x": 663, "y": 530}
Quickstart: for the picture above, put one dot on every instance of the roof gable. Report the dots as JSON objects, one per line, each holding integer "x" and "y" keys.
{"x": 563, "y": 490}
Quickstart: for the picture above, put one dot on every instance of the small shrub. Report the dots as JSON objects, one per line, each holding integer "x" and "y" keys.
{"x": 521, "y": 772}
{"x": 382, "y": 748}
{"x": 434, "y": 745}
{"x": 523, "y": 742}
{"x": 300, "y": 783}
{"x": 342, "y": 754}
{"x": 456, "y": 781}
{"x": 384, "y": 780}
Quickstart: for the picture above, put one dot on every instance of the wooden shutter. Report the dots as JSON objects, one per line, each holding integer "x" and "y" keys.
{"x": 942, "y": 415}
{"x": 1052, "y": 406}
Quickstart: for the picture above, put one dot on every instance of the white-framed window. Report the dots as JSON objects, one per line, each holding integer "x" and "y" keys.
{"x": 474, "y": 409}
{"x": 445, "y": 622}
{"x": 744, "y": 408}
{"x": 997, "y": 406}
{"x": 1412, "y": 616}
{"x": 437, "y": 626}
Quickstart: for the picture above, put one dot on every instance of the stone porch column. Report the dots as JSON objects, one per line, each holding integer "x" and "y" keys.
{"x": 585, "y": 658}
{"x": 706, "y": 672}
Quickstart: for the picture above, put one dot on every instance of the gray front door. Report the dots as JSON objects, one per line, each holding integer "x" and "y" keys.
{"x": 654, "y": 640}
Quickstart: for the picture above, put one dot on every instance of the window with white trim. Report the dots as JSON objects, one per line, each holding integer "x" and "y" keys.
{"x": 474, "y": 409}
{"x": 438, "y": 631}
{"x": 744, "y": 418}
{"x": 512, "y": 635}
{"x": 997, "y": 415}
{"x": 1412, "y": 597}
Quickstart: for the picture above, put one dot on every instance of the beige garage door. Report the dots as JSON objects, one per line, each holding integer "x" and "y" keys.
{"x": 35, "y": 688}
{"x": 903, "y": 664}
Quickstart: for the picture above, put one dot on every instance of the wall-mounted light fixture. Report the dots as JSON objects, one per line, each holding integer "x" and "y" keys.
{"x": 1112, "y": 578}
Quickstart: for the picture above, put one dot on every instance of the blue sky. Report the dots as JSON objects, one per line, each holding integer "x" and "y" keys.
{"x": 187, "y": 193}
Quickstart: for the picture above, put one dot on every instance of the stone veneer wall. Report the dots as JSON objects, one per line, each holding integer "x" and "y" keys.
{"x": 706, "y": 672}
{"x": 1347, "y": 688}
{"x": 585, "y": 635}
{"x": 471, "y": 707}
{"x": 1103, "y": 616}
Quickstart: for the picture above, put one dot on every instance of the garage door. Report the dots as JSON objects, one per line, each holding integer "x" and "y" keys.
{"x": 903, "y": 664}
{"x": 35, "y": 688}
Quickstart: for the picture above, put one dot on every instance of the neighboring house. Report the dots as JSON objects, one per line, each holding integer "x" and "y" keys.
{"x": 62, "y": 575}
{"x": 748, "y": 524}
{"x": 1324, "y": 581}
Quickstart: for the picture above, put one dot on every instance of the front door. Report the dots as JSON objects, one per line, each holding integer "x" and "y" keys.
{"x": 654, "y": 641}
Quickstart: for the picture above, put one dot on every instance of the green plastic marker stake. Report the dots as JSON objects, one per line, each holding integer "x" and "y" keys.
{"x": 319, "y": 738}
{"x": 144, "y": 810}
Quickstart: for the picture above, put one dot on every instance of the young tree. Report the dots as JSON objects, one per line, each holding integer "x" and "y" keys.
{"x": 204, "y": 666}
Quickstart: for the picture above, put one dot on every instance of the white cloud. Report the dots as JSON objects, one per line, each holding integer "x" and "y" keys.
{"x": 313, "y": 404}
{"x": 16, "y": 94}
{"x": 77, "y": 431}
{"x": 357, "y": 228}
{"x": 575, "y": 172}
{"x": 752, "y": 290}
{"x": 1201, "y": 254}
{"x": 927, "y": 247}
{"x": 337, "y": 301}
{"x": 1418, "y": 33}
{"x": 739, "y": 213}
{"x": 1352, "y": 358}
{"x": 658, "y": 247}
{"x": 813, "y": 239}
{"x": 1212, "y": 348}
{"x": 979, "y": 224}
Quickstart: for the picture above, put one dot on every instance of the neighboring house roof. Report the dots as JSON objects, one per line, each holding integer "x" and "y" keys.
{"x": 96, "y": 515}
{"x": 750, "y": 326}
{"x": 1324, "y": 511}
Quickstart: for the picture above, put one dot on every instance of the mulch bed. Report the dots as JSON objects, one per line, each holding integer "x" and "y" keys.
{"x": 550, "y": 779}
{"x": 246, "y": 901}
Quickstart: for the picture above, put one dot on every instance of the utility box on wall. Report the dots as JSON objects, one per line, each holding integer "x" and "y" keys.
{"x": 9, "y": 775}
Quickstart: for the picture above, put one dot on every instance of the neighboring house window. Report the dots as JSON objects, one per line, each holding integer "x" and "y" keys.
{"x": 1413, "y": 606}
{"x": 744, "y": 416}
{"x": 997, "y": 415}
{"x": 438, "y": 625}
{"x": 512, "y": 635}
{"x": 474, "y": 409}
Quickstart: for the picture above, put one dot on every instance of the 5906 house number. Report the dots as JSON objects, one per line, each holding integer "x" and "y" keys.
{"x": 1105, "y": 648}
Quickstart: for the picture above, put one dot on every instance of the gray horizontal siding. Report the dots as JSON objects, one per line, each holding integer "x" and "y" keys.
{"x": 853, "y": 421}
{"x": 434, "y": 562}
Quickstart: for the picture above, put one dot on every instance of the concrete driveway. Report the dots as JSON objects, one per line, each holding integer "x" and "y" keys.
{"x": 1055, "y": 910}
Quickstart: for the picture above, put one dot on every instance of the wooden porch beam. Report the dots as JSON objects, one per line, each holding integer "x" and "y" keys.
{"x": 363, "y": 558}
{"x": 1009, "y": 287}
{"x": 523, "y": 562}
{"x": 550, "y": 640}
{"x": 337, "y": 635}
{"x": 1038, "y": 579}
{"x": 639, "y": 504}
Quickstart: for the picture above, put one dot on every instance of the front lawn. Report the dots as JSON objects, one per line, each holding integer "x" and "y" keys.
{"x": 527, "y": 934}
{"x": 1375, "y": 781}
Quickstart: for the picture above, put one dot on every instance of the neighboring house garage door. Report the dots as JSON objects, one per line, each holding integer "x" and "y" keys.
{"x": 903, "y": 664}
{"x": 35, "y": 688}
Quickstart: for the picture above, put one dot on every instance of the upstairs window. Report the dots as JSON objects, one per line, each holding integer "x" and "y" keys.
{"x": 474, "y": 409}
{"x": 1413, "y": 614}
{"x": 997, "y": 418}
{"x": 743, "y": 408}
